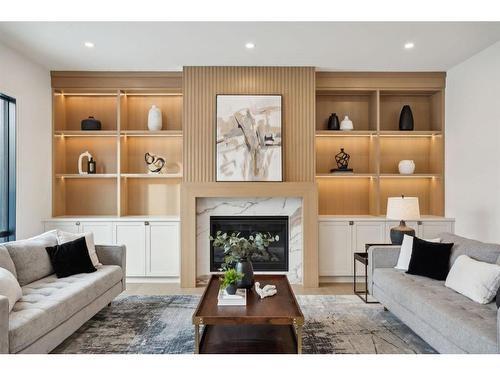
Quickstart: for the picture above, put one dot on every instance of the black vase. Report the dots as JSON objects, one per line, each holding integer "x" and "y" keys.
{"x": 406, "y": 118}
{"x": 333, "y": 122}
{"x": 245, "y": 267}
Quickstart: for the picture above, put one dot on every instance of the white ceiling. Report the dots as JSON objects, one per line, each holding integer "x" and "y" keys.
{"x": 170, "y": 45}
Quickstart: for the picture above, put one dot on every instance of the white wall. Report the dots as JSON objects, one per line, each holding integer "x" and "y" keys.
{"x": 473, "y": 145}
{"x": 29, "y": 83}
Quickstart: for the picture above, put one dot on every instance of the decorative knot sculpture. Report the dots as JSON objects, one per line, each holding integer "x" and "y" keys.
{"x": 266, "y": 291}
{"x": 155, "y": 163}
{"x": 342, "y": 160}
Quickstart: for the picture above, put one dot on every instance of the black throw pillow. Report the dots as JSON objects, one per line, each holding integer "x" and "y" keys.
{"x": 498, "y": 297}
{"x": 71, "y": 258}
{"x": 430, "y": 259}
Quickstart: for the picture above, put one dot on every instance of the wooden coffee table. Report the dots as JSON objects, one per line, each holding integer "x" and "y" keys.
{"x": 269, "y": 325}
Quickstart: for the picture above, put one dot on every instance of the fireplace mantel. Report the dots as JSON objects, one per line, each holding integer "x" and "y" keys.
{"x": 305, "y": 190}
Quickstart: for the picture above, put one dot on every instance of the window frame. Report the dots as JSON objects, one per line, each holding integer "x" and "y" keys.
{"x": 9, "y": 234}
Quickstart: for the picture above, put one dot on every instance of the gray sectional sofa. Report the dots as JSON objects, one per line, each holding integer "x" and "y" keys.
{"x": 51, "y": 309}
{"x": 445, "y": 319}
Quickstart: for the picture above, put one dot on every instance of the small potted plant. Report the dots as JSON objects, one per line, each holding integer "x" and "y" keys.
{"x": 229, "y": 280}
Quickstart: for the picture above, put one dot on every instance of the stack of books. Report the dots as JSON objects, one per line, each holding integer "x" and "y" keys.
{"x": 238, "y": 299}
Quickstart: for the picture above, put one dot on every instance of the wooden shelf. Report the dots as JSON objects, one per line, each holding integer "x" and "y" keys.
{"x": 409, "y": 134}
{"x": 415, "y": 175}
{"x": 86, "y": 133}
{"x": 346, "y": 175}
{"x": 147, "y": 133}
{"x": 150, "y": 175}
{"x": 77, "y": 175}
{"x": 345, "y": 133}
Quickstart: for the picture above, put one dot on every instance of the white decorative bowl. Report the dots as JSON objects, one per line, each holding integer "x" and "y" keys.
{"x": 406, "y": 167}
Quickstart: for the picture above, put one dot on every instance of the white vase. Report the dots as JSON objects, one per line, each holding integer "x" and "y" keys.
{"x": 406, "y": 167}
{"x": 346, "y": 124}
{"x": 154, "y": 118}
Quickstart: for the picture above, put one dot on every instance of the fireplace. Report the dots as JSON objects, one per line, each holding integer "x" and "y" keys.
{"x": 246, "y": 225}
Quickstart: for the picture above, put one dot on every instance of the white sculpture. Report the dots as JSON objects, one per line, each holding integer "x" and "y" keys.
{"x": 154, "y": 118}
{"x": 80, "y": 160}
{"x": 266, "y": 291}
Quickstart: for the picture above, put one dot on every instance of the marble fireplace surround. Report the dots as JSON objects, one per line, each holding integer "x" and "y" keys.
{"x": 290, "y": 193}
{"x": 270, "y": 206}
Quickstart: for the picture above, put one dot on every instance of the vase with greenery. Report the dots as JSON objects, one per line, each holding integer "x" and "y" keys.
{"x": 240, "y": 250}
{"x": 230, "y": 279}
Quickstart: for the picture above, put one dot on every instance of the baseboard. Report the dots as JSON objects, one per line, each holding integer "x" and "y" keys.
{"x": 340, "y": 279}
{"x": 153, "y": 280}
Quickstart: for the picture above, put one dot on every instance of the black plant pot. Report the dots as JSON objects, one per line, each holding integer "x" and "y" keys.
{"x": 231, "y": 289}
{"x": 406, "y": 118}
{"x": 245, "y": 267}
{"x": 333, "y": 122}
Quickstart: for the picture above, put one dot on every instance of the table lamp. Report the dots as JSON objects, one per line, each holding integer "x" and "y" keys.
{"x": 402, "y": 209}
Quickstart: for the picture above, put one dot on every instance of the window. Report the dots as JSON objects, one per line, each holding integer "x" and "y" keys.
{"x": 7, "y": 168}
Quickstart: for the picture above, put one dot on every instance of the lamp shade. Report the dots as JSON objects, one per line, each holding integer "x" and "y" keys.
{"x": 403, "y": 208}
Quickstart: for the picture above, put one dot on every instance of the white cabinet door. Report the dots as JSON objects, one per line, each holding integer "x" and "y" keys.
{"x": 65, "y": 226}
{"x": 133, "y": 236}
{"x": 162, "y": 249}
{"x": 102, "y": 230}
{"x": 364, "y": 232}
{"x": 335, "y": 244}
{"x": 391, "y": 224}
{"x": 432, "y": 229}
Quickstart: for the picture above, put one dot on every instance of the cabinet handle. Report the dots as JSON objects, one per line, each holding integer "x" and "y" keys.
{"x": 351, "y": 222}
{"x": 419, "y": 223}
{"x": 146, "y": 223}
{"x": 77, "y": 223}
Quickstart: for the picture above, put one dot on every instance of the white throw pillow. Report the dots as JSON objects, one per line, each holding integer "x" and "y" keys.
{"x": 63, "y": 237}
{"x": 9, "y": 287}
{"x": 406, "y": 250}
{"x": 474, "y": 279}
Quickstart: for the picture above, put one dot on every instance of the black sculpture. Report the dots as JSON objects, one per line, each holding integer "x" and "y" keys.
{"x": 342, "y": 160}
{"x": 406, "y": 118}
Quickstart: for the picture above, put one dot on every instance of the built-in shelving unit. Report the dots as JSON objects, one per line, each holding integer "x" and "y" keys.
{"x": 376, "y": 145}
{"x": 122, "y": 185}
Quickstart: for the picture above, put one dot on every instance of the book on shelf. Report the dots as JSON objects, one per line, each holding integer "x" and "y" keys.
{"x": 238, "y": 299}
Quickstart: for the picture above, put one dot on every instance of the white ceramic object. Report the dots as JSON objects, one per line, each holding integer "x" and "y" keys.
{"x": 406, "y": 167}
{"x": 154, "y": 118}
{"x": 346, "y": 124}
{"x": 80, "y": 160}
{"x": 266, "y": 291}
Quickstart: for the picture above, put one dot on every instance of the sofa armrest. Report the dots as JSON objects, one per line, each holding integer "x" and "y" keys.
{"x": 113, "y": 255}
{"x": 381, "y": 257}
{"x": 498, "y": 330}
{"x": 4, "y": 325}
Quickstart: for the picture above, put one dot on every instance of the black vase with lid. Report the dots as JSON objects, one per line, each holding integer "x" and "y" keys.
{"x": 245, "y": 267}
{"x": 406, "y": 118}
{"x": 333, "y": 122}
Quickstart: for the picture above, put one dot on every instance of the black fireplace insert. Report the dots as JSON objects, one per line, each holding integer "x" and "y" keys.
{"x": 246, "y": 225}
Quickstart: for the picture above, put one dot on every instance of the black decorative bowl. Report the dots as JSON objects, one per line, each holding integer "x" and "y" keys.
{"x": 91, "y": 124}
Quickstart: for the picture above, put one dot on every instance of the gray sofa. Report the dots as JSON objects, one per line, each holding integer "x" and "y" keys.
{"x": 51, "y": 309}
{"x": 445, "y": 319}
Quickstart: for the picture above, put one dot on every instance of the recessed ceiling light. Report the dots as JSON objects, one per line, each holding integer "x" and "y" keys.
{"x": 250, "y": 45}
{"x": 89, "y": 44}
{"x": 409, "y": 45}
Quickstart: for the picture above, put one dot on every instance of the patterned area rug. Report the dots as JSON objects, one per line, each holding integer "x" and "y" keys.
{"x": 162, "y": 324}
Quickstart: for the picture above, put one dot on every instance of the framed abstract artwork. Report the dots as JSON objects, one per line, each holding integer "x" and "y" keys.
{"x": 248, "y": 138}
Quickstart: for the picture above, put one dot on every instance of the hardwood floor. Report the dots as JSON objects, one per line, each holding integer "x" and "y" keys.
{"x": 173, "y": 288}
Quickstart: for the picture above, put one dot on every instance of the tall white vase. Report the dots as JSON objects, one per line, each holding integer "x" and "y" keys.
{"x": 154, "y": 118}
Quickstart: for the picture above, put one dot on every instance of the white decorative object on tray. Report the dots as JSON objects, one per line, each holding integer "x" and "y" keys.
{"x": 238, "y": 299}
{"x": 266, "y": 291}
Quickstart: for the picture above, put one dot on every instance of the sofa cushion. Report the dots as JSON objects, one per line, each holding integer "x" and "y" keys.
{"x": 30, "y": 257}
{"x": 482, "y": 251}
{"x": 469, "y": 325}
{"x": 48, "y": 302}
{"x": 6, "y": 261}
{"x": 71, "y": 258}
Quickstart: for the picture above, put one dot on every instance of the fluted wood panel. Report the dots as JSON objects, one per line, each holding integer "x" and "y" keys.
{"x": 295, "y": 84}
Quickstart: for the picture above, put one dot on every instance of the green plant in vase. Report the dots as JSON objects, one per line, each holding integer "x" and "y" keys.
{"x": 230, "y": 279}
{"x": 239, "y": 252}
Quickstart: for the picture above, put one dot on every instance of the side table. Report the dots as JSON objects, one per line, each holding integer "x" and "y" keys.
{"x": 363, "y": 259}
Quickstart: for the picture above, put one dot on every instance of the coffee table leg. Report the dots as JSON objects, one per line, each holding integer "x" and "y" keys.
{"x": 196, "y": 339}
{"x": 298, "y": 334}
